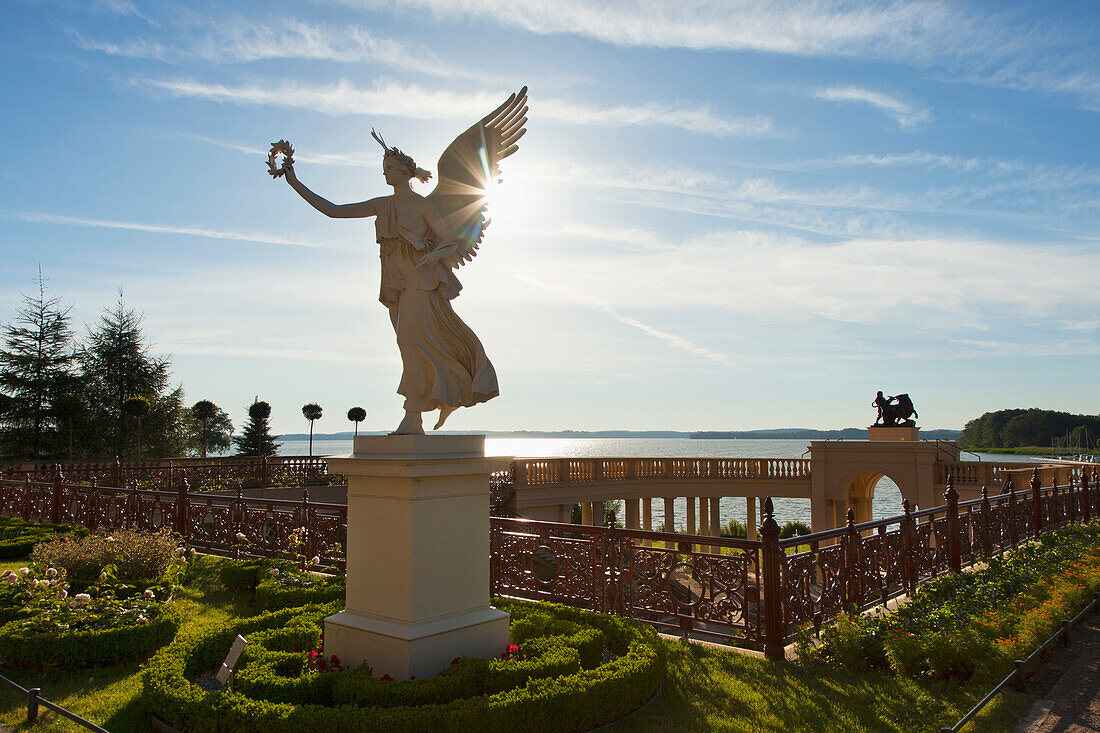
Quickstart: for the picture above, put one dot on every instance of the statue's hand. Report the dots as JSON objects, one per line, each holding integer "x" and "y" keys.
{"x": 288, "y": 171}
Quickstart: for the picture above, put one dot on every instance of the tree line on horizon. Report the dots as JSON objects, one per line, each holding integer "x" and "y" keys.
{"x": 1024, "y": 428}
{"x": 106, "y": 394}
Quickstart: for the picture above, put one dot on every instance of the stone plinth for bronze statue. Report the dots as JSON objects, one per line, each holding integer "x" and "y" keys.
{"x": 893, "y": 432}
{"x": 417, "y": 555}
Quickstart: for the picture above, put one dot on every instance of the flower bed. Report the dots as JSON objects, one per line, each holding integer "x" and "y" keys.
{"x": 568, "y": 670}
{"x": 18, "y": 538}
{"x": 111, "y": 623}
{"x": 973, "y": 624}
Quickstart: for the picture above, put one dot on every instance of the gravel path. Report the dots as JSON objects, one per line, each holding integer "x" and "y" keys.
{"x": 1072, "y": 703}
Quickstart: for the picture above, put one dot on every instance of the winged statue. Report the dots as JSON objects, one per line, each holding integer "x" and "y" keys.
{"x": 422, "y": 241}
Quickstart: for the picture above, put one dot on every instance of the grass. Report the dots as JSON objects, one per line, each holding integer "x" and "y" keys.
{"x": 706, "y": 689}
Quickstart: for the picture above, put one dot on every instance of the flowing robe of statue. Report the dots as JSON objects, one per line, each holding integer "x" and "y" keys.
{"x": 422, "y": 239}
{"x": 443, "y": 363}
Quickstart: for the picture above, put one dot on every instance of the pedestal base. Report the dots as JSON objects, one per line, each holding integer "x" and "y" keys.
{"x": 422, "y": 649}
{"x": 893, "y": 432}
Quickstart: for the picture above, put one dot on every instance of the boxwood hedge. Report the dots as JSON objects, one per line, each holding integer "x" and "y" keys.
{"x": 579, "y": 670}
{"x": 18, "y": 538}
{"x": 87, "y": 648}
{"x": 272, "y": 594}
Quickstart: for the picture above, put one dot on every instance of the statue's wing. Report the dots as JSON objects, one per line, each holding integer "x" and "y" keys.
{"x": 469, "y": 166}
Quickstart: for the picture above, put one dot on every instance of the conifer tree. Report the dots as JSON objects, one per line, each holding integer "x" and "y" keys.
{"x": 117, "y": 364}
{"x": 257, "y": 439}
{"x": 36, "y": 367}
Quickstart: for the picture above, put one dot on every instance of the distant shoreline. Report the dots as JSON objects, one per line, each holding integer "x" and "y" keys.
{"x": 773, "y": 434}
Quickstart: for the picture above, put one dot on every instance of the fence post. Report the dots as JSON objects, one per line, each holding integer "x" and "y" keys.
{"x": 1086, "y": 497}
{"x": 907, "y": 548}
{"x": 1013, "y": 520}
{"x": 954, "y": 552}
{"x": 851, "y": 560}
{"x": 116, "y": 473}
{"x": 263, "y": 472}
{"x": 1037, "y": 500}
{"x": 182, "y": 507}
{"x": 987, "y": 520}
{"x": 1074, "y": 495}
{"x": 773, "y": 592}
{"x": 32, "y": 705}
{"x": 1056, "y": 513}
{"x": 1095, "y": 490}
{"x": 55, "y": 510}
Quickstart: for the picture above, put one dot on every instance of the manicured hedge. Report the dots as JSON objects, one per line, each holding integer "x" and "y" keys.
{"x": 18, "y": 538}
{"x": 91, "y": 648}
{"x": 561, "y": 684}
{"x": 271, "y": 594}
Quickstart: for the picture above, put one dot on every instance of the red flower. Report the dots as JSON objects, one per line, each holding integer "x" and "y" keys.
{"x": 387, "y": 678}
{"x": 455, "y": 661}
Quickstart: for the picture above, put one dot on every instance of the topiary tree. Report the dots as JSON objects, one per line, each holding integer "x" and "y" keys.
{"x": 357, "y": 415}
{"x": 312, "y": 412}
{"x": 203, "y": 412}
{"x": 136, "y": 408}
{"x": 257, "y": 439}
{"x": 67, "y": 407}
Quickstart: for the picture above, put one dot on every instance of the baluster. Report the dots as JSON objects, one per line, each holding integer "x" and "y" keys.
{"x": 55, "y": 508}
{"x": 1054, "y": 516}
{"x": 26, "y": 503}
{"x": 1086, "y": 498}
{"x": 1072, "y": 504}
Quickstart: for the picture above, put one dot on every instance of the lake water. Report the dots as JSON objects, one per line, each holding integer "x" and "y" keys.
{"x": 887, "y": 501}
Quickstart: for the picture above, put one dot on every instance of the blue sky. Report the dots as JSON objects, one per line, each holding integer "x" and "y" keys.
{"x": 724, "y": 215}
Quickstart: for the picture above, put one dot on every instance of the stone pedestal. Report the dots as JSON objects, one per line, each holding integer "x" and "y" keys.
{"x": 893, "y": 432}
{"x": 417, "y": 555}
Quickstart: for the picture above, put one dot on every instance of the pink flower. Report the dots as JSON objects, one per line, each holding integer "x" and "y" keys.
{"x": 23, "y": 571}
{"x": 62, "y": 595}
{"x": 51, "y": 573}
{"x": 274, "y": 572}
{"x": 72, "y": 604}
{"x": 82, "y": 597}
{"x": 148, "y": 593}
{"x": 102, "y": 576}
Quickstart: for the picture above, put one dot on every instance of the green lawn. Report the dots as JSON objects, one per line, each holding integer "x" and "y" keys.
{"x": 706, "y": 689}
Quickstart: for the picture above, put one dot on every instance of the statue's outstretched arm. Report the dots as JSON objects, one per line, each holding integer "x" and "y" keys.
{"x": 326, "y": 207}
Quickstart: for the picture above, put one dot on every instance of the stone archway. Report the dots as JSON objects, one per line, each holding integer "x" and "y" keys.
{"x": 845, "y": 473}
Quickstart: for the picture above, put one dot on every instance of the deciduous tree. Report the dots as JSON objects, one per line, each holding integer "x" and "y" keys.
{"x": 312, "y": 412}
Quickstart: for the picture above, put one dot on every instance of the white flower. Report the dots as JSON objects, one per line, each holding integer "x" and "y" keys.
{"x": 64, "y": 586}
{"x": 141, "y": 619}
{"x": 274, "y": 572}
{"x": 23, "y": 571}
{"x": 241, "y": 537}
{"x": 51, "y": 572}
{"x": 103, "y": 576}
{"x": 62, "y": 595}
{"x": 148, "y": 593}
{"x": 82, "y": 597}
{"x": 316, "y": 560}
{"x": 34, "y": 583}
{"x": 111, "y": 539}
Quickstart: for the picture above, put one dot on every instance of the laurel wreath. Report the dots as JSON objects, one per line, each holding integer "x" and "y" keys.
{"x": 284, "y": 149}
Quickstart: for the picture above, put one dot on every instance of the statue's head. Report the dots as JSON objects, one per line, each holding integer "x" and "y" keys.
{"x": 397, "y": 166}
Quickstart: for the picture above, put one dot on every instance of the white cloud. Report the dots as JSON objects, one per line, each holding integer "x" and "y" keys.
{"x": 195, "y": 231}
{"x": 411, "y": 101}
{"x": 906, "y": 114}
{"x": 997, "y": 48}
{"x": 672, "y": 339}
{"x": 241, "y": 41}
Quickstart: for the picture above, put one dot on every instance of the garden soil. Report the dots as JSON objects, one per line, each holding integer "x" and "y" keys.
{"x": 1068, "y": 686}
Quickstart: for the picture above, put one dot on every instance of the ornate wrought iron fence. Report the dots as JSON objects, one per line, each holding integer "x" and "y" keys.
{"x": 222, "y": 525}
{"x": 202, "y": 474}
{"x": 756, "y": 592}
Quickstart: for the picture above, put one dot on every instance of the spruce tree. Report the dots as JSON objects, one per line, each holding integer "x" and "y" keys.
{"x": 117, "y": 365}
{"x": 257, "y": 439}
{"x": 36, "y": 367}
